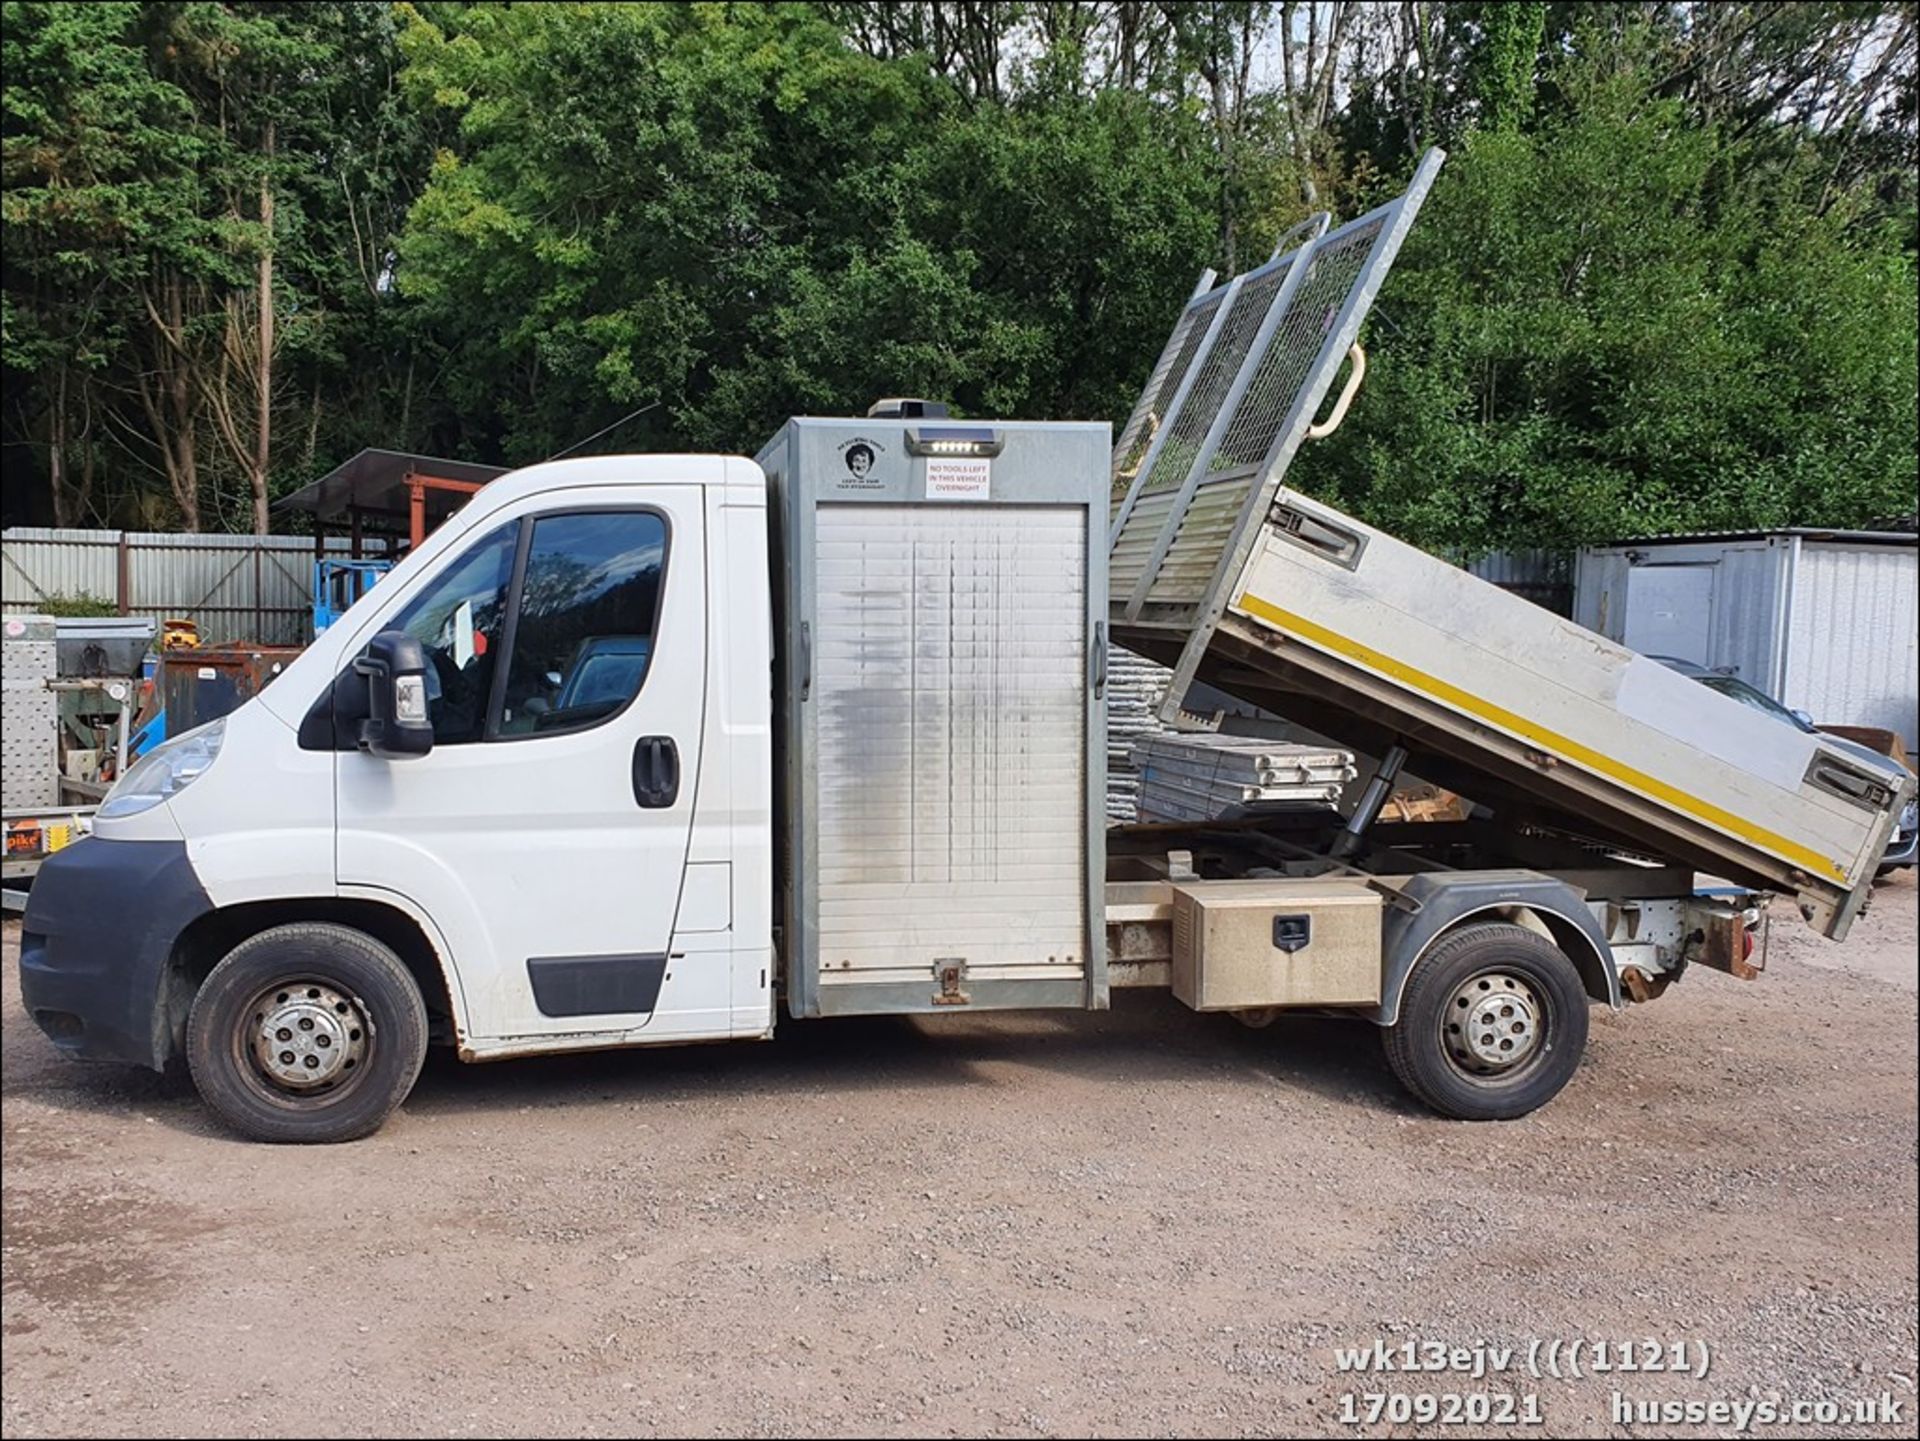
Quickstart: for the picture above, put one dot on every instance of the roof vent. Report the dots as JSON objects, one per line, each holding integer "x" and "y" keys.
{"x": 907, "y": 408}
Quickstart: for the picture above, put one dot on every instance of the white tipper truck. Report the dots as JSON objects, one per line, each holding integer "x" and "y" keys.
{"x": 635, "y": 750}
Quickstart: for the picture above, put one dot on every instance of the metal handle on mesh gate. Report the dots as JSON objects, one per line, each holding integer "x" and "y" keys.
{"x": 1312, "y": 228}
{"x": 1352, "y": 388}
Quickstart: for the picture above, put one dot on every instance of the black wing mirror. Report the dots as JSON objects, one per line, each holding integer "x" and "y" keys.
{"x": 397, "y": 725}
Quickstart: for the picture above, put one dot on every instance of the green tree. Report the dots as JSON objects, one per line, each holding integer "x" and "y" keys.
{"x": 1615, "y": 324}
{"x": 97, "y": 161}
{"x": 1667, "y": 278}
{"x": 747, "y": 219}
{"x": 1504, "y": 66}
{"x": 200, "y": 200}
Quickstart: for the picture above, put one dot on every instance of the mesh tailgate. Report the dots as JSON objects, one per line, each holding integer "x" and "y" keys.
{"x": 1248, "y": 366}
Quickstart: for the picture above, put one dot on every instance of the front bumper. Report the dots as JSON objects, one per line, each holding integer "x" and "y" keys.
{"x": 1905, "y": 843}
{"x": 1902, "y": 852}
{"x": 100, "y": 927}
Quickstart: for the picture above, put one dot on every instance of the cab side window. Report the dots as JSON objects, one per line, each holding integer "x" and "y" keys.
{"x": 582, "y": 638}
{"x": 459, "y": 620}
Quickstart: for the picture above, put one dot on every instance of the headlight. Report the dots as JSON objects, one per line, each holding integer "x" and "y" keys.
{"x": 165, "y": 772}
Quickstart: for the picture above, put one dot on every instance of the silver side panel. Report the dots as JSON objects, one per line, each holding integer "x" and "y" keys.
{"x": 1338, "y": 611}
{"x": 952, "y": 697}
{"x": 941, "y": 680}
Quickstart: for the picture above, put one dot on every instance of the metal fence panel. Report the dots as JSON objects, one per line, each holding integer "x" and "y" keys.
{"x": 1544, "y": 577}
{"x": 38, "y": 564}
{"x": 234, "y": 587}
{"x": 1852, "y": 654}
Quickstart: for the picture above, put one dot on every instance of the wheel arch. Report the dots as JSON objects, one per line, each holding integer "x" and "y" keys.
{"x": 1436, "y": 906}
{"x": 207, "y": 940}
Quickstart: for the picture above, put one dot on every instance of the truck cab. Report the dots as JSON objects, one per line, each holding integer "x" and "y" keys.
{"x": 565, "y": 844}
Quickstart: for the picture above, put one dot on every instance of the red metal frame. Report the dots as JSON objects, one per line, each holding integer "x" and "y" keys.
{"x": 417, "y": 487}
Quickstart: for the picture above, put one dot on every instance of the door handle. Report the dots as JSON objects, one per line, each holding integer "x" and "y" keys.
{"x": 656, "y": 772}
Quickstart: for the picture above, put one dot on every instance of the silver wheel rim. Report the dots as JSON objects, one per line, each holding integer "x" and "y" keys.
{"x": 1494, "y": 1025}
{"x": 305, "y": 1039}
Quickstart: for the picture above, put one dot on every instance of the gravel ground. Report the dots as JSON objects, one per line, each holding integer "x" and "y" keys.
{"x": 1142, "y": 1222}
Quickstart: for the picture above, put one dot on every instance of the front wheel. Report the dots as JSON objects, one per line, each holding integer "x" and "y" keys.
{"x": 307, "y": 1032}
{"x": 1492, "y": 1024}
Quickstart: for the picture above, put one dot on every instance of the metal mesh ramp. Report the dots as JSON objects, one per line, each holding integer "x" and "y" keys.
{"x": 1231, "y": 398}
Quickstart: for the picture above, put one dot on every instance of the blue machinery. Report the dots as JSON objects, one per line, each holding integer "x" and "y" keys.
{"x": 338, "y": 583}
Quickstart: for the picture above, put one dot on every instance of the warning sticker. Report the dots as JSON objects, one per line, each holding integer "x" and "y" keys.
{"x": 959, "y": 479}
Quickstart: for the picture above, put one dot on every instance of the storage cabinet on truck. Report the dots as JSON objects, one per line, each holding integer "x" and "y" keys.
{"x": 941, "y": 599}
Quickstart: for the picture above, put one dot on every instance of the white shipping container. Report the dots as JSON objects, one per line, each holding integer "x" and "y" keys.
{"x": 1824, "y": 621}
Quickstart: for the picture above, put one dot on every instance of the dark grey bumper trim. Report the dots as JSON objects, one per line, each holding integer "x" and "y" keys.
{"x": 98, "y": 935}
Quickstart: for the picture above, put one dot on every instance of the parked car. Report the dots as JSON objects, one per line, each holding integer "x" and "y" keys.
{"x": 1904, "y": 844}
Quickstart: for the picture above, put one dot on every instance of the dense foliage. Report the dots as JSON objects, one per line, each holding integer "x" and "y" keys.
{"x": 1666, "y": 279}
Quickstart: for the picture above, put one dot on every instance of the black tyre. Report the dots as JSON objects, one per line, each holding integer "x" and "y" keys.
{"x": 1492, "y": 1024}
{"x": 306, "y": 1033}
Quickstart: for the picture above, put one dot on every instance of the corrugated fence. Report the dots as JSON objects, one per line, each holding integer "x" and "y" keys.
{"x": 234, "y": 587}
{"x": 1544, "y": 577}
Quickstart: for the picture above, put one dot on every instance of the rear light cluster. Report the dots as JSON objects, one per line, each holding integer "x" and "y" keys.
{"x": 1752, "y": 937}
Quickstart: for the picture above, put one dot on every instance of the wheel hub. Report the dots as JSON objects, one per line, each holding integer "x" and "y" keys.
{"x": 307, "y": 1036}
{"x": 1493, "y": 1023}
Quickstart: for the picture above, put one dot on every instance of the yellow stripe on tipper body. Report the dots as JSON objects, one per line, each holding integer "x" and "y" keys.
{"x": 1564, "y": 746}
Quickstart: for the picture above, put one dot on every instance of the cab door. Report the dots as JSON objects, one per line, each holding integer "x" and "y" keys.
{"x": 545, "y": 834}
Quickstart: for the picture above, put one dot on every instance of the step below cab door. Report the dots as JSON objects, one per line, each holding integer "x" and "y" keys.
{"x": 545, "y": 834}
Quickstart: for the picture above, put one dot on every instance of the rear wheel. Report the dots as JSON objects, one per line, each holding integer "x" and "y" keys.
{"x": 1492, "y": 1024}
{"x": 307, "y": 1032}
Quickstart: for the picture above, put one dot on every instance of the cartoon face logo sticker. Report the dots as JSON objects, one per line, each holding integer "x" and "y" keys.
{"x": 860, "y": 457}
